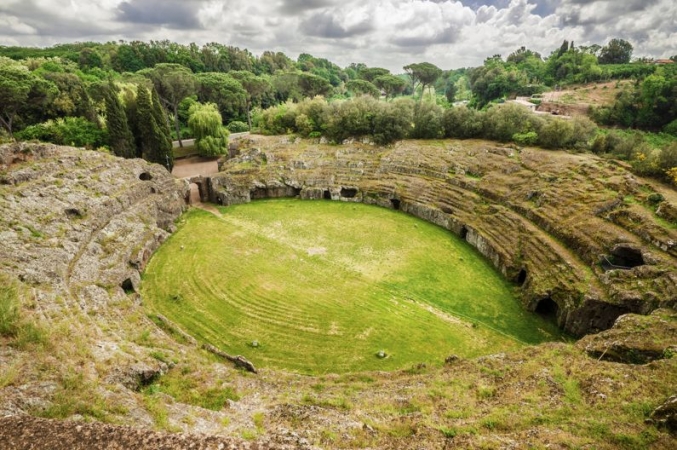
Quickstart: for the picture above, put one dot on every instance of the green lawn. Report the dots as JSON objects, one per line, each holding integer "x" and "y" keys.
{"x": 323, "y": 286}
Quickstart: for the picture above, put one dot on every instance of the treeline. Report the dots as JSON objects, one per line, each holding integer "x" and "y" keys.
{"x": 387, "y": 122}
{"x": 64, "y": 94}
{"x": 365, "y": 118}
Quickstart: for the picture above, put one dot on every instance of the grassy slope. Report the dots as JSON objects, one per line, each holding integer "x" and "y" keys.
{"x": 323, "y": 286}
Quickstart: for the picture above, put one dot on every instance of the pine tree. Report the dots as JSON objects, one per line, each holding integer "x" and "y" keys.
{"x": 120, "y": 138}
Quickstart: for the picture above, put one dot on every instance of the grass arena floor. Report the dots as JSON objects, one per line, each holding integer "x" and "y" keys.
{"x": 323, "y": 287}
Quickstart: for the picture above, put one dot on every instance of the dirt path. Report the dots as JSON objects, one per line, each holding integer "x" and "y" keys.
{"x": 195, "y": 166}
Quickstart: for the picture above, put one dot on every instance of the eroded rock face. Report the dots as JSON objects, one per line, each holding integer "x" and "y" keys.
{"x": 82, "y": 222}
{"x": 76, "y": 228}
{"x": 545, "y": 220}
{"x": 635, "y": 339}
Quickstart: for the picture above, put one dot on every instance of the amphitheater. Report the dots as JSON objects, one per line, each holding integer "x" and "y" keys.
{"x": 586, "y": 241}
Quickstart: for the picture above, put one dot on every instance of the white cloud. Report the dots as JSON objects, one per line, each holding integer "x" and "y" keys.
{"x": 388, "y": 33}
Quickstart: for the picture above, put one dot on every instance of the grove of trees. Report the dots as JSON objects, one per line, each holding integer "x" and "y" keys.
{"x": 136, "y": 97}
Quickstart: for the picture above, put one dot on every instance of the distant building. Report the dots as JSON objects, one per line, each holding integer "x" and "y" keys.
{"x": 661, "y": 62}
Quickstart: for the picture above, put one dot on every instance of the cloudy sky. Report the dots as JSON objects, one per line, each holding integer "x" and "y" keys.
{"x": 386, "y": 33}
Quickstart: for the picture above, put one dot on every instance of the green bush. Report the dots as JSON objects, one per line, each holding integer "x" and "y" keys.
{"x": 528, "y": 138}
{"x": 237, "y": 126}
{"x": 393, "y": 121}
{"x": 556, "y": 133}
{"x": 75, "y": 131}
{"x": 428, "y": 121}
{"x": 462, "y": 122}
{"x": 671, "y": 128}
{"x": 502, "y": 122}
{"x": 303, "y": 125}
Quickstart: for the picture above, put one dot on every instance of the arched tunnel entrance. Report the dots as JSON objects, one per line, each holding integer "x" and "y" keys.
{"x": 199, "y": 190}
{"x": 194, "y": 196}
{"x": 547, "y": 308}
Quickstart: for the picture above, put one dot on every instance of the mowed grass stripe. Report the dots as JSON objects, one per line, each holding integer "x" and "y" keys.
{"x": 323, "y": 286}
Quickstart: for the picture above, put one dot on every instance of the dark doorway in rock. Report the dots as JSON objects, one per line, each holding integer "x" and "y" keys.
{"x": 547, "y": 308}
{"x": 395, "y": 202}
{"x": 348, "y": 192}
{"x": 258, "y": 194}
{"x": 297, "y": 192}
{"x": 464, "y": 232}
{"x": 626, "y": 257}
{"x": 74, "y": 213}
{"x": 128, "y": 286}
{"x": 522, "y": 277}
{"x": 145, "y": 176}
{"x": 327, "y": 195}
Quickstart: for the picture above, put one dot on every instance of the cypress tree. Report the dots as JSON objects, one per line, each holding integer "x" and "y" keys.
{"x": 166, "y": 150}
{"x": 156, "y": 145}
{"x": 120, "y": 138}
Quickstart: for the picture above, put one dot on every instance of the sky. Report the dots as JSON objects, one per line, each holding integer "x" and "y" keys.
{"x": 381, "y": 33}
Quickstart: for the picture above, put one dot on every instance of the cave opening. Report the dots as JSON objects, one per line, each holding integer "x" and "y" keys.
{"x": 128, "y": 286}
{"x": 348, "y": 192}
{"x": 626, "y": 257}
{"x": 327, "y": 195}
{"x": 74, "y": 213}
{"x": 464, "y": 232}
{"x": 297, "y": 192}
{"x": 522, "y": 277}
{"x": 395, "y": 202}
{"x": 547, "y": 308}
{"x": 145, "y": 176}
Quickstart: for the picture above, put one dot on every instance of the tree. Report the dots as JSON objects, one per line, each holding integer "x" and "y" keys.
{"x": 312, "y": 85}
{"x": 155, "y": 144}
{"x": 120, "y": 138}
{"x": 211, "y": 138}
{"x": 255, "y": 87}
{"x": 617, "y": 51}
{"x": 165, "y": 151}
{"x": 19, "y": 89}
{"x": 424, "y": 74}
{"x": 371, "y": 73}
{"x": 173, "y": 83}
{"x": 390, "y": 84}
{"x": 226, "y": 92}
{"x": 362, "y": 87}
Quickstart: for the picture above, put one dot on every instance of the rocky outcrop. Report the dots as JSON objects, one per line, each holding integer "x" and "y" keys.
{"x": 77, "y": 228}
{"x": 550, "y": 221}
{"x": 635, "y": 339}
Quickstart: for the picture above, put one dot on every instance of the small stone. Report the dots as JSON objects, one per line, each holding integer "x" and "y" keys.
{"x": 255, "y": 344}
{"x": 381, "y": 354}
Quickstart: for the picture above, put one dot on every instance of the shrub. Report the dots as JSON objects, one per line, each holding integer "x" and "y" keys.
{"x": 393, "y": 121}
{"x": 556, "y": 133}
{"x": 353, "y": 118}
{"x": 75, "y": 131}
{"x": 318, "y": 112}
{"x": 304, "y": 126}
{"x": 428, "y": 121}
{"x": 529, "y": 138}
{"x": 504, "y": 121}
{"x": 671, "y": 128}
{"x": 462, "y": 122}
{"x": 237, "y": 126}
